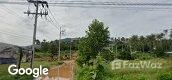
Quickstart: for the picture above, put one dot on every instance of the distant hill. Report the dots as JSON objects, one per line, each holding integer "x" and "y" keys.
{"x": 5, "y": 45}
{"x": 8, "y": 50}
{"x": 69, "y": 39}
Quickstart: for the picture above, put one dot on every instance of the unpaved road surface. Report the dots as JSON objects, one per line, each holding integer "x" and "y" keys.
{"x": 62, "y": 72}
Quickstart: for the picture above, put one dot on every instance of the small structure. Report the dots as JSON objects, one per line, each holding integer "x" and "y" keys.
{"x": 8, "y": 56}
{"x": 169, "y": 53}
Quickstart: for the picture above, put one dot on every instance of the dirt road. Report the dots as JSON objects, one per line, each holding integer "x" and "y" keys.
{"x": 62, "y": 72}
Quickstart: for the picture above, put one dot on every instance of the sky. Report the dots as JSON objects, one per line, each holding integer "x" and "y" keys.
{"x": 17, "y": 27}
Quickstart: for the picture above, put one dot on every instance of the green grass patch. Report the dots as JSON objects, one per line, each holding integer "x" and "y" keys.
{"x": 165, "y": 73}
{"x": 6, "y": 76}
{"x": 145, "y": 74}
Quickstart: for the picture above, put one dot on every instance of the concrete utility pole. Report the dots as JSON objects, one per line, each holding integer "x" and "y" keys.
{"x": 36, "y": 3}
{"x": 71, "y": 48}
{"x": 59, "y": 43}
{"x": 60, "y": 35}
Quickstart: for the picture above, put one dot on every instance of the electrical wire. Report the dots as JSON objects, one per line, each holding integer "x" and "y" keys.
{"x": 91, "y": 3}
{"x": 53, "y": 16}
{"x": 16, "y": 35}
{"x": 52, "y": 22}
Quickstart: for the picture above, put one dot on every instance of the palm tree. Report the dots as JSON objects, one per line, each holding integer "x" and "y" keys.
{"x": 165, "y": 32}
{"x": 170, "y": 34}
{"x": 151, "y": 41}
{"x": 142, "y": 42}
{"x": 171, "y": 39}
{"x": 134, "y": 42}
{"x": 159, "y": 37}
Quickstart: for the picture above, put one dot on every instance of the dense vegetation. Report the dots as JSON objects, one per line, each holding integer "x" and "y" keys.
{"x": 51, "y": 48}
{"x": 97, "y": 50}
{"x": 152, "y": 44}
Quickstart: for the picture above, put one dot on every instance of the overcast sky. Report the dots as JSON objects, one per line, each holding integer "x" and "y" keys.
{"x": 17, "y": 28}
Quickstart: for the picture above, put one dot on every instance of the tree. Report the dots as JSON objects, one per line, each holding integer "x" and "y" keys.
{"x": 125, "y": 55}
{"x": 38, "y": 42}
{"x": 142, "y": 43}
{"x": 96, "y": 39}
{"x": 134, "y": 42}
{"x": 44, "y": 46}
{"x": 170, "y": 34}
{"x": 165, "y": 32}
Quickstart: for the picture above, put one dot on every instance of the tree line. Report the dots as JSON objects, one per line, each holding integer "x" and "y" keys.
{"x": 97, "y": 49}
{"x": 53, "y": 46}
{"x": 157, "y": 44}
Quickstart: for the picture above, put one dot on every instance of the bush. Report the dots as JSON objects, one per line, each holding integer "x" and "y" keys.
{"x": 107, "y": 55}
{"x": 142, "y": 55}
{"x": 98, "y": 71}
{"x": 142, "y": 78}
{"x": 159, "y": 53}
{"x": 165, "y": 76}
{"x": 125, "y": 55}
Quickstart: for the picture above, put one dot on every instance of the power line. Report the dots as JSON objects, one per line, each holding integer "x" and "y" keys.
{"x": 52, "y": 22}
{"x": 15, "y": 35}
{"x": 105, "y": 5}
{"x": 112, "y": 3}
{"x": 10, "y": 11}
{"x": 53, "y": 17}
{"x": 65, "y": 3}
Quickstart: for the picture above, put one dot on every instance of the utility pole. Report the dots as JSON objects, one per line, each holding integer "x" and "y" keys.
{"x": 60, "y": 35}
{"x": 36, "y": 3}
{"x": 59, "y": 54}
{"x": 59, "y": 43}
{"x": 71, "y": 48}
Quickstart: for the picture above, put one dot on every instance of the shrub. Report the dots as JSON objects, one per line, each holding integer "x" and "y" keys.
{"x": 142, "y": 55}
{"x": 107, "y": 55}
{"x": 165, "y": 76}
{"x": 159, "y": 53}
{"x": 98, "y": 71}
{"x": 142, "y": 78}
{"x": 125, "y": 55}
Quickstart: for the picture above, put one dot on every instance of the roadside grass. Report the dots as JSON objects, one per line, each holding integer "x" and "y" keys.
{"x": 4, "y": 75}
{"x": 164, "y": 73}
{"x": 144, "y": 73}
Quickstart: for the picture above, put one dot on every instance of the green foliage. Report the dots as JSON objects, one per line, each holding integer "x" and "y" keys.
{"x": 125, "y": 55}
{"x": 154, "y": 43}
{"x": 142, "y": 55}
{"x": 165, "y": 76}
{"x": 97, "y": 37}
{"x": 44, "y": 46}
{"x": 52, "y": 46}
{"x": 41, "y": 55}
{"x": 159, "y": 53}
{"x": 97, "y": 71}
{"x": 53, "y": 49}
{"x": 142, "y": 78}
{"x": 107, "y": 55}
{"x": 6, "y": 76}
